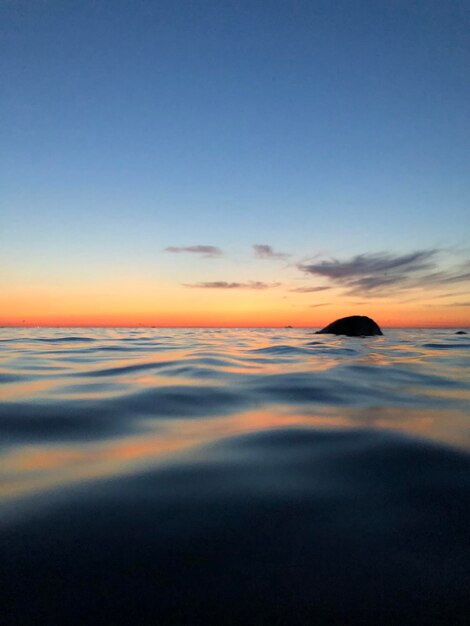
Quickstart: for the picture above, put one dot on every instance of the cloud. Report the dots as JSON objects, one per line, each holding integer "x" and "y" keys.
{"x": 371, "y": 266}
{"x": 263, "y": 251}
{"x": 459, "y": 274}
{"x": 204, "y": 250}
{"x": 448, "y": 304}
{"x": 314, "y": 306}
{"x": 434, "y": 296}
{"x": 375, "y": 274}
{"x": 222, "y": 284}
{"x": 308, "y": 289}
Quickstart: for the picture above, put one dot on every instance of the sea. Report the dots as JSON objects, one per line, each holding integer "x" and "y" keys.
{"x": 234, "y": 476}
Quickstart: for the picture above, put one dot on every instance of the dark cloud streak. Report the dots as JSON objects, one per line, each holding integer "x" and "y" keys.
{"x": 308, "y": 289}
{"x": 370, "y": 265}
{"x": 384, "y": 273}
{"x": 263, "y": 251}
{"x": 222, "y": 284}
{"x": 203, "y": 250}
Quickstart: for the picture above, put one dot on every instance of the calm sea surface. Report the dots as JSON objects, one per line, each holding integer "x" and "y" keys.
{"x": 187, "y": 476}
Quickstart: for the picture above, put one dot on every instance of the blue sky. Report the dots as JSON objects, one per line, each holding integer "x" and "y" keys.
{"x": 331, "y": 128}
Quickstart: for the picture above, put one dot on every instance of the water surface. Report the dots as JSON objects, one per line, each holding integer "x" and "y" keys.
{"x": 244, "y": 476}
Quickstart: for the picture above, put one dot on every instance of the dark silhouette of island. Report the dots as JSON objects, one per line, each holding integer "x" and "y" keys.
{"x": 352, "y": 326}
{"x": 461, "y": 332}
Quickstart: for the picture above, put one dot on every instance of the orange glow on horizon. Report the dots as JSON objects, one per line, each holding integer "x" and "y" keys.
{"x": 137, "y": 304}
{"x": 386, "y": 318}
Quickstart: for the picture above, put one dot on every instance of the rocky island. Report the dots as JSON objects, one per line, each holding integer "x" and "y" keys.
{"x": 353, "y": 326}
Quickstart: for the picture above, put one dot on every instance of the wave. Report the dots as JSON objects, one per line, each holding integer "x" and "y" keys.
{"x": 239, "y": 476}
{"x": 266, "y": 527}
{"x": 447, "y": 346}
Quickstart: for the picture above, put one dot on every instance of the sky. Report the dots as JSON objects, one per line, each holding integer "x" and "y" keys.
{"x": 216, "y": 163}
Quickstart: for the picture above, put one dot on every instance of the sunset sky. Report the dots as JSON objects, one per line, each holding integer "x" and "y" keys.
{"x": 247, "y": 163}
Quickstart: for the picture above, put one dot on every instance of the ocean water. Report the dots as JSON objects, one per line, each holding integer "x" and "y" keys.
{"x": 267, "y": 476}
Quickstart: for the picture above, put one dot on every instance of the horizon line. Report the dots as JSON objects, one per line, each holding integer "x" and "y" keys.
{"x": 155, "y": 326}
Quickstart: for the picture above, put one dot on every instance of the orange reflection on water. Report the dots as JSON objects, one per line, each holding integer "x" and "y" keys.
{"x": 418, "y": 422}
{"x": 36, "y": 468}
{"x": 27, "y": 389}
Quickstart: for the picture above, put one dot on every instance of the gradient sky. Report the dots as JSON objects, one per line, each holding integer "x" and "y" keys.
{"x": 148, "y": 147}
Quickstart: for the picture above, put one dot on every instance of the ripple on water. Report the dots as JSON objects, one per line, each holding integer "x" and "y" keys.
{"x": 247, "y": 476}
{"x": 447, "y": 346}
{"x": 248, "y": 527}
